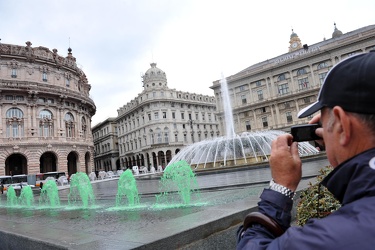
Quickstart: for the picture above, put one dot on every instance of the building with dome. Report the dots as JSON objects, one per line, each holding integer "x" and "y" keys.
{"x": 156, "y": 124}
{"x": 269, "y": 94}
{"x": 46, "y": 112}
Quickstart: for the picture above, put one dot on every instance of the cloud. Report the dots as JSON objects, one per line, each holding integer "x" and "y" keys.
{"x": 193, "y": 41}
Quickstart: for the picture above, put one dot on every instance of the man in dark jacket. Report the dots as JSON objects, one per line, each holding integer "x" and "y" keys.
{"x": 347, "y": 114}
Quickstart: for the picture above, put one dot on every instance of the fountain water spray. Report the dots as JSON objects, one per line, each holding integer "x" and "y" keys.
{"x": 49, "y": 195}
{"x": 81, "y": 193}
{"x": 26, "y": 197}
{"x": 233, "y": 149}
{"x": 127, "y": 190}
{"x": 177, "y": 178}
{"x": 227, "y": 107}
{"x": 11, "y": 197}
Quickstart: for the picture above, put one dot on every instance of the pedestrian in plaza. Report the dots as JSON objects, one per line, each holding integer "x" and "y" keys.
{"x": 2, "y": 188}
{"x": 347, "y": 115}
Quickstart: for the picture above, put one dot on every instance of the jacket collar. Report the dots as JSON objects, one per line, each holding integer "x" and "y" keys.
{"x": 353, "y": 179}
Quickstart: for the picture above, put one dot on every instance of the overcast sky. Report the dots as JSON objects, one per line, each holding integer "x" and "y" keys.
{"x": 193, "y": 41}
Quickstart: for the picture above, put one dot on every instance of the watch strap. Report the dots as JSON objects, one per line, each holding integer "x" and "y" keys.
{"x": 281, "y": 189}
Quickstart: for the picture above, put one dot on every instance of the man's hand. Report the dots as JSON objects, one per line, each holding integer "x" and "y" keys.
{"x": 285, "y": 163}
{"x": 319, "y": 131}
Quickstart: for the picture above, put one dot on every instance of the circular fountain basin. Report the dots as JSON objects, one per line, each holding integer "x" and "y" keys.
{"x": 242, "y": 149}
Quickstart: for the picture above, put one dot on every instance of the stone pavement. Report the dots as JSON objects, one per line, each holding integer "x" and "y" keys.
{"x": 207, "y": 223}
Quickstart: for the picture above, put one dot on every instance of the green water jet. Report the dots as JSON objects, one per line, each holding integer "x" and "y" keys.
{"x": 49, "y": 195}
{"x": 11, "y": 197}
{"x": 26, "y": 197}
{"x": 127, "y": 190}
{"x": 81, "y": 192}
{"x": 178, "y": 178}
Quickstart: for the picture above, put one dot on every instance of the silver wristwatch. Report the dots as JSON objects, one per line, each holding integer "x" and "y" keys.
{"x": 281, "y": 189}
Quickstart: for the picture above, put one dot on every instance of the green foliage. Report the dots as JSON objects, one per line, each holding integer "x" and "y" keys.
{"x": 316, "y": 201}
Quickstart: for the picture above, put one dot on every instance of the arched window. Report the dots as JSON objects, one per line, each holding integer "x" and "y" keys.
{"x": 69, "y": 125}
{"x": 45, "y": 123}
{"x": 14, "y": 119}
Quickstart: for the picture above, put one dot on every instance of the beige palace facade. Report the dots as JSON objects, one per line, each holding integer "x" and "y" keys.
{"x": 45, "y": 111}
{"x": 160, "y": 121}
{"x": 269, "y": 94}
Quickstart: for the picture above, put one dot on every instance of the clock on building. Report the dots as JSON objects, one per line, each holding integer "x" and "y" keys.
{"x": 294, "y": 45}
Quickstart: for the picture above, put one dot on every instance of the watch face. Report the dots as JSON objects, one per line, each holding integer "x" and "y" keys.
{"x": 294, "y": 45}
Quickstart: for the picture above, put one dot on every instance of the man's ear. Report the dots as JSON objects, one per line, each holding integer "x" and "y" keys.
{"x": 342, "y": 125}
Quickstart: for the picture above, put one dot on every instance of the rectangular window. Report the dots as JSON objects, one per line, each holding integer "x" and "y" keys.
{"x": 265, "y": 122}
{"x": 14, "y": 73}
{"x": 322, "y": 76}
{"x": 164, "y": 115}
{"x": 242, "y": 88}
{"x": 196, "y": 116}
{"x": 149, "y": 117}
{"x": 9, "y": 97}
{"x": 243, "y": 98}
{"x": 248, "y": 126}
{"x": 258, "y": 83}
{"x": 19, "y": 98}
{"x": 289, "y": 117}
{"x": 182, "y": 116}
{"x": 283, "y": 89}
{"x": 44, "y": 76}
{"x": 173, "y": 115}
{"x": 260, "y": 94}
{"x": 303, "y": 83}
{"x": 67, "y": 82}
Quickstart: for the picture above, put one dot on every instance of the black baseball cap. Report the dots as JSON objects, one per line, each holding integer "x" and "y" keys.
{"x": 350, "y": 84}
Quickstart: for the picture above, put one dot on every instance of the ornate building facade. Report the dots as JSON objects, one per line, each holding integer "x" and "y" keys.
{"x": 45, "y": 112}
{"x": 154, "y": 126}
{"x": 106, "y": 155}
{"x": 269, "y": 94}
